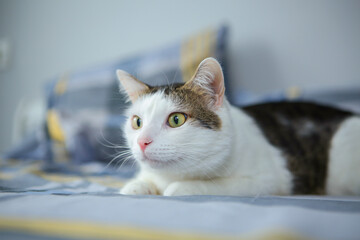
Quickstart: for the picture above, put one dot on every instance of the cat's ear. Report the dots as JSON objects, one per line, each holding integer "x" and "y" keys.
{"x": 130, "y": 85}
{"x": 209, "y": 80}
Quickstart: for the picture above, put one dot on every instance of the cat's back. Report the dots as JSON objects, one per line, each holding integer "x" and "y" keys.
{"x": 304, "y": 119}
{"x": 303, "y": 131}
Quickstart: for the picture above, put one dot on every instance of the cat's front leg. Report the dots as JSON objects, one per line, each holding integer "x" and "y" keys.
{"x": 139, "y": 187}
{"x": 196, "y": 188}
{"x": 180, "y": 189}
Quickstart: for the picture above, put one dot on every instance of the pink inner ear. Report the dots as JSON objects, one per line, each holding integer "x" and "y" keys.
{"x": 210, "y": 75}
{"x": 219, "y": 88}
{"x": 132, "y": 95}
{"x": 219, "y": 99}
{"x": 217, "y": 82}
{"x": 131, "y": 85}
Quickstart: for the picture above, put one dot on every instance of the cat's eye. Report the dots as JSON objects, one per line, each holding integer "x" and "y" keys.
{"x": 136, "y": 122}
{"x": 176, "y": 119}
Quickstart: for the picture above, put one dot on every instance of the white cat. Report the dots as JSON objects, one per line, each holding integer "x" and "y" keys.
{"x": 188, "y": 140}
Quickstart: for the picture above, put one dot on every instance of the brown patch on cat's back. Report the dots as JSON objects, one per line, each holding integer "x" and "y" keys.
{"x": 193, "y": 100}
{"x": 303, "y": 131}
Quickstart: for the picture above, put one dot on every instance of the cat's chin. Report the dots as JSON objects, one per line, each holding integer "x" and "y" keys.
{"x": 156, "y": 164}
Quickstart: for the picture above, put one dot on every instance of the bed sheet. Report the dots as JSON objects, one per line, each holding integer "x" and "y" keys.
{"x": 41, "y": 203}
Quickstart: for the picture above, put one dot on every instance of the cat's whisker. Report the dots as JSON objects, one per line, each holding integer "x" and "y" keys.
{"x": 117, "y": 157}
{"x": 115, "y": 146}
{"x": 133, "y": 164}
{"x": 111, "y": 144}
{"x": 117, "y": 153}
{"x": 166, "y": 78}
{"x": 175, "y": 75}
{"x": 124, "y": 161}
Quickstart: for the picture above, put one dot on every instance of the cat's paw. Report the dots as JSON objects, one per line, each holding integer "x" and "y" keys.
{"x": 180, "y": 189}
{"x": 139, "y": 188}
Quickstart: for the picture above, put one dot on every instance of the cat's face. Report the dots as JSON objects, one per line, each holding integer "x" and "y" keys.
{"x": 176, "y": 128}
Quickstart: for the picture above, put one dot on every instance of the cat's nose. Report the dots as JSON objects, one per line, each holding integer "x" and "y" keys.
{"x": 144, "y": 142}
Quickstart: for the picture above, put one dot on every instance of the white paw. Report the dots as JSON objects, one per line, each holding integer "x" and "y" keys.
{"x": 180, "y": 189}
{"x": 139, "y": 188}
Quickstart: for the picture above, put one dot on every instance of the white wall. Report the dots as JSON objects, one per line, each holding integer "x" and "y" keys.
{"x": 273, "y": 44}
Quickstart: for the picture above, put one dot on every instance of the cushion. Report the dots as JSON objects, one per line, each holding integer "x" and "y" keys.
{"x": 85, "y": 108}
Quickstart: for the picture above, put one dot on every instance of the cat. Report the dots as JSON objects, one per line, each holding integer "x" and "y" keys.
{"x": 188, "y": 140}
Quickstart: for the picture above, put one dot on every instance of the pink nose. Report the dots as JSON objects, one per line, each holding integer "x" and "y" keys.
{"x": 144, "y": 142}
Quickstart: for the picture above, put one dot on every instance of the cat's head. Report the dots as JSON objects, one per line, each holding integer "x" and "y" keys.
{"x": 178, "y": 128}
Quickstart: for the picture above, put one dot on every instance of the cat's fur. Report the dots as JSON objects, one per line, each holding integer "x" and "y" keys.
{"x": 275, "y": 148}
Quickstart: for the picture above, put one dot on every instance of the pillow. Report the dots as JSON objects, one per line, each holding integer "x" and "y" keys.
{"x": 84, "y": 108}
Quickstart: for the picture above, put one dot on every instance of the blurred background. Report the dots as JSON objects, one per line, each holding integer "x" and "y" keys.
{"x": 272, "y": 47}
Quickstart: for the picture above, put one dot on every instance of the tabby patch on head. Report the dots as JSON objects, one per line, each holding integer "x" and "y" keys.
{"x": 200, "y": 97}
{"x": 194, "y": 103}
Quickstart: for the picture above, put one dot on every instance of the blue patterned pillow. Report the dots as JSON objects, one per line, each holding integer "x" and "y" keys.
{"x": 84, "y": 115}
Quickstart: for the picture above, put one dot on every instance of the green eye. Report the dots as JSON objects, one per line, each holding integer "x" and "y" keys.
{"x": 136, "y": 122}
{"x": 177, "y": 119}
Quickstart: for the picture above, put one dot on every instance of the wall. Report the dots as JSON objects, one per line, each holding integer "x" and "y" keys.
{"x": 273, "y": 44}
